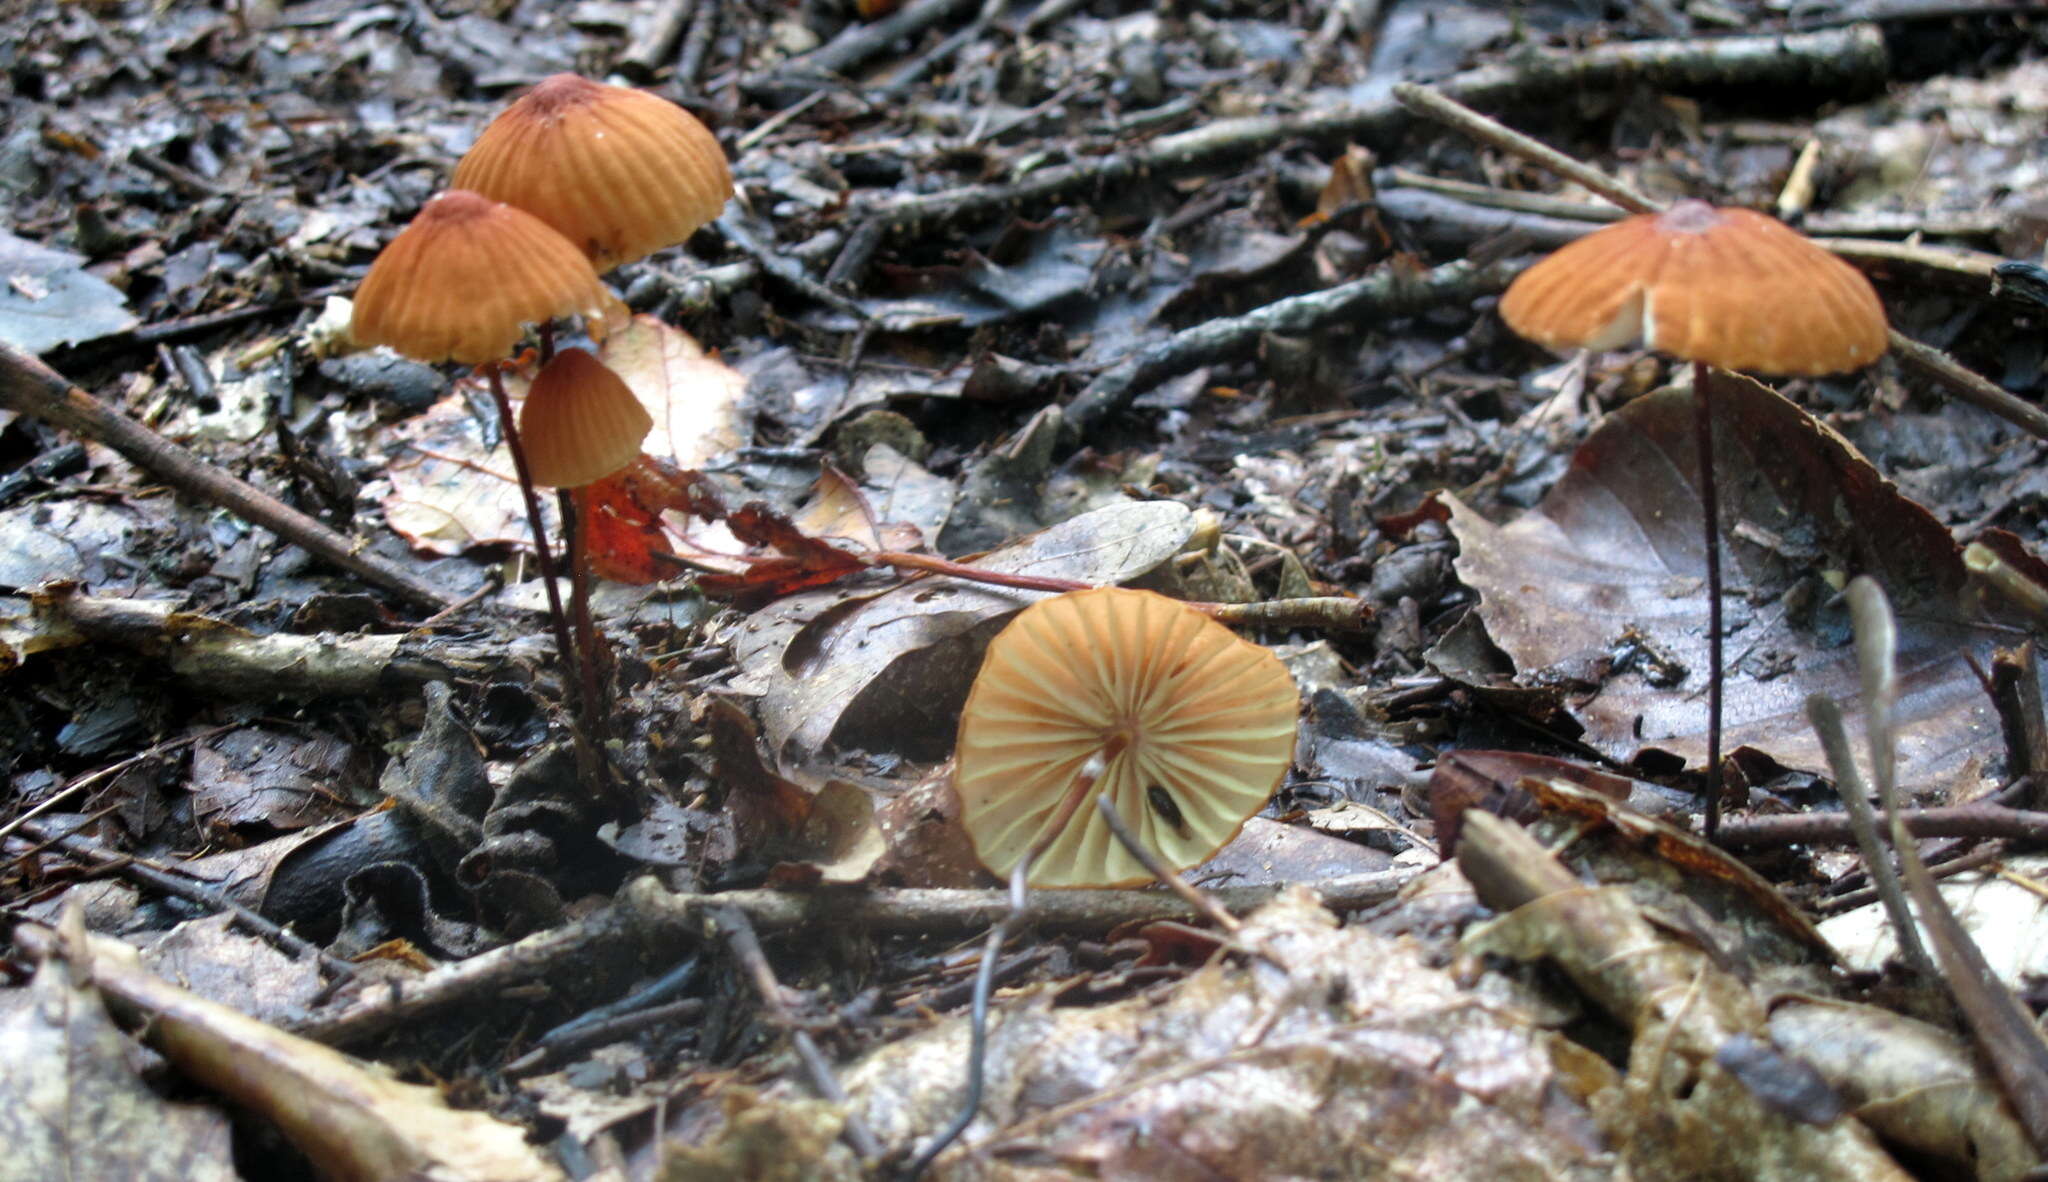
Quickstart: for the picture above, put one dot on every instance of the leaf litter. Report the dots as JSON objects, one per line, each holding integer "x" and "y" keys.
{"x": 1048, "y": 201}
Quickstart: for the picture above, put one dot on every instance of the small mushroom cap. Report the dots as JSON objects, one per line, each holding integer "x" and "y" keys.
{"x": 1728, "y": 287}
{"x": 1195, "y": 726}
{"x": 580, "y": 422}
{"x": 621, "y": 173}
{"x": 463, "y": 279}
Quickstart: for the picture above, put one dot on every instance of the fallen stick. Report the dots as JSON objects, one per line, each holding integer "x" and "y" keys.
{"x": 1387, "y": 292}
{"x": 29, "y": 387}
{"x": 1841, "y": 59}
{"x": 646, "y": 915}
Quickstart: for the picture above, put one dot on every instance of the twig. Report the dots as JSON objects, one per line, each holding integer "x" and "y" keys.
{"x": 648, "y": 916}
{"x": 1972, "y": 388}
{"x": 660, "y": 31}
{"x": 2015, "y": 685}
{"x": 798, "y": 76}
{"x": 1963, "y": 820}
{"x": 1424, "y": 101}
{"x": 229, "y": 661}
{"x": 746, "y": 948}
{"x": 29, "y": 387}
{"x": 1844, "y": 58}
{"x": 111, "y": 770}
{"x": 782, "y": 267}
{"x": 559, "y": 1045}
{"x": 900, "y": 83}
{"x": 180, "y": 886}
{"x": 697, "y": 44}
{"x": 1386, "y": 293}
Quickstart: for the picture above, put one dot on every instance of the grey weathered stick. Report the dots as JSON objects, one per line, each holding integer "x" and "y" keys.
{"x": 29, "y": 387}
{"x": 1847, "y": 59}
{"x": 1385, "y": 293}
{"x": 660, "y": 30}
{"x": 646, "y": 915}
{"x": 1424, "y": 101}
{"x": 800, "y": 75}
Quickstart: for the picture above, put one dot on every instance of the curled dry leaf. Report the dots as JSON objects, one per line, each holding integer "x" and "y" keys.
{"x": 816, "y": 833}
{"x": 356, "y": 1122}
{"x": 72, "y": 1105}
{"x": 1684, "y": 1012}
{"x": 1601, "y": 587}
{"x": 889, "y": 670}
{"x": 1917, "y": 1085}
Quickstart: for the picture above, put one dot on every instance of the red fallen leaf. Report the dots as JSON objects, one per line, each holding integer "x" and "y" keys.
{"x": 620, "y": 538}
{"x": 772, "y": 578}
{"x": 621, "y": 518}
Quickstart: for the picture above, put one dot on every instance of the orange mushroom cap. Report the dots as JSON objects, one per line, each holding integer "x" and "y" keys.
{"x": 461, "y": 281}
{"x": 621, "y": 173}
{"x": 1195, "y": 727}
{"x": 580, "y": 422}
{"x": 1727, "y": 287}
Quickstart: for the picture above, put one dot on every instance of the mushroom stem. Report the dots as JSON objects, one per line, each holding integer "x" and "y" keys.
{"x": 1710, "y": 505}
{"x": 589, "y": 645}
{"x": 509, "y": 423}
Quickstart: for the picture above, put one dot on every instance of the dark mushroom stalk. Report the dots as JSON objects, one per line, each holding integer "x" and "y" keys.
{"x": 620, "y": 173}
{"x": 1721, "y": 288}
{"x": 461, "y": 283}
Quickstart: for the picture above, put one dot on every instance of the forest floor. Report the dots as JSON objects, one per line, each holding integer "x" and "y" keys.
{"x": 1183, "y": 297}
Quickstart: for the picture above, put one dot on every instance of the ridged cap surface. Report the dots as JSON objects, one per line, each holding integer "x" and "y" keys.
{"x": 580, "y": 422}
{"x": 1170, "y": 699}
{"x": 1728, "y": 287}
{"x": 463, "y": 279}
{"x": 621, "y": 173}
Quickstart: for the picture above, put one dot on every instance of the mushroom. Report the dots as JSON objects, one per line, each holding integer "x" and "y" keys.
{"x": 463, "y": 279}
{"x": 619, "y": 172}
{"x": 460, "y": 283}
{"x": 1725, "y": 287}
{"x": 580, "y": 421}
{"x": 1194, "y": 728}
{"x": 1717, "y": 287}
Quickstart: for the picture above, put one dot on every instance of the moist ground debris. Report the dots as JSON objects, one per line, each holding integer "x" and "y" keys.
{"x": 322, "y": 853}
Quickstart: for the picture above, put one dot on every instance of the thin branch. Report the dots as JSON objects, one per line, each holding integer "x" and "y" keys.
{"x": 29, "y": 387}
{"x": 1387, "y": 293}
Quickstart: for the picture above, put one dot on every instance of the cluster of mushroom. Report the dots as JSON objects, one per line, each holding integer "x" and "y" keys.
{"x": 573, "y": 179}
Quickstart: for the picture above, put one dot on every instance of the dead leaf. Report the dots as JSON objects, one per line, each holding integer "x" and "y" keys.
{"x": 889, "y": 670}
{"x": 1600, "y": 588}
{"x": 71, "y": 1104}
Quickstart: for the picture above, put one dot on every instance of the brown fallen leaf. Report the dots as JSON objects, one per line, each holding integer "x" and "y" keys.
{"x": 1600, "y": 587}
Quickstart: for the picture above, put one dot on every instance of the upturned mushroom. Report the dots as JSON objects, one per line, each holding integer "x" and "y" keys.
{"x": 619, "y": 172}
{"x": 1727, "y": 288}
{"x": 1193, "y": 725}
